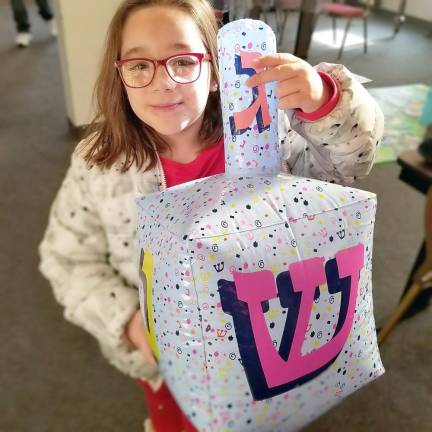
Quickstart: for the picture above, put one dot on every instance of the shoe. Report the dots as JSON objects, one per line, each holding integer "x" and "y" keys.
{"x": 53, "y": 27}
{"x": 23, "y": 39}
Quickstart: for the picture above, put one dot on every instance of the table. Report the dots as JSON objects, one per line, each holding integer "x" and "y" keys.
{"x": 305, "y": 28}
{"x": 418, "y": 292}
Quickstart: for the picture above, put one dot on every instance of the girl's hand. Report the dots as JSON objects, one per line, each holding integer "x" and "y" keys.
{"x": 298, "y": 83}
{"x": 135, "y": 333}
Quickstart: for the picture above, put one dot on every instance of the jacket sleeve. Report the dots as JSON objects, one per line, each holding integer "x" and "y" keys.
{"x": 341, "y": 146}
{"x": 75, "y": 259}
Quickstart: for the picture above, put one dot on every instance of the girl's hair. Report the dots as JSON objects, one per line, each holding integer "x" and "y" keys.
{"x": 115, "y": 130}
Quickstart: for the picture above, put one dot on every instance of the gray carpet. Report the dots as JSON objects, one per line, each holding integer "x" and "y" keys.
{"x": 52, "y": 377}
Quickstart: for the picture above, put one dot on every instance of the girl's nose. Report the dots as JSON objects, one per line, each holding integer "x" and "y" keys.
{"x": 162, "y": 80}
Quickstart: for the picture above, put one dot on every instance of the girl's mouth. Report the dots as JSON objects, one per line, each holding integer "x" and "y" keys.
{"x": 166, "y": 107}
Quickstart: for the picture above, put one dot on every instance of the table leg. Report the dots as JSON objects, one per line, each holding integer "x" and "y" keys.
{"x": 420, "y": 258}
{"x": 305, "y": 28}
{"x": 422, "y": 301}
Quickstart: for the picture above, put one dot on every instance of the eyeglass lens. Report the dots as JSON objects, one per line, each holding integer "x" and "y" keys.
{"x": 182, "y": 69}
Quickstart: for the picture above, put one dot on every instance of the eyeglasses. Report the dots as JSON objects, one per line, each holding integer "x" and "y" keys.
{"x": 182, "y": 68}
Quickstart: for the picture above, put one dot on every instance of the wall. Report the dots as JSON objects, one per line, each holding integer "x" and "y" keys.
{"x": 82, "y": 28}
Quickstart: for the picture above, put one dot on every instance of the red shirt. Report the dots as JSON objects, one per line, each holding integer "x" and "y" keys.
{"x": 210, "y": 161}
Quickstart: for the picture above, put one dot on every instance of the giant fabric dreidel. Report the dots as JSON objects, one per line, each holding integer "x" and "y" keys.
{"x": 261, "y": 297}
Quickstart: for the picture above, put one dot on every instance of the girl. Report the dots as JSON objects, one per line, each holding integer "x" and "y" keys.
{"x": 158, "y": 123}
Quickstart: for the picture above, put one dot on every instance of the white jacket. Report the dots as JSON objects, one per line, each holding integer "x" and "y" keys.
{"x": 89, "y": 254}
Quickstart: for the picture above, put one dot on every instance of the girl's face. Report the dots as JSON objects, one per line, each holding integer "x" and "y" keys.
{"x": 158, "y": 32}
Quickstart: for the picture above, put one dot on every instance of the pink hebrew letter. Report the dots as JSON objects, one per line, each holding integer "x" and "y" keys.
{"x": 259, "y": 107}
{"x": 306, "y": 276}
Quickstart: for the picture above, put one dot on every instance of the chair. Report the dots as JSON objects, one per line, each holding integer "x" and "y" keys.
{"x": 263, "y": 7}
{"x": 341, "y": 10}
{"x": 240, "y": 9}
{"x": 281, "y": 9}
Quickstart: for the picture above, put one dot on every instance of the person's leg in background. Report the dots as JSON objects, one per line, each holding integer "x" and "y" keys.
{"x": 46, "y": 13}
{"x": 45, "y": 10}
{"x": 22, "y": 23}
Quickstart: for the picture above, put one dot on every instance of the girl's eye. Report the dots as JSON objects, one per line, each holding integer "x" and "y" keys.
{"x": 136, "y": 67}
{"x": 183, "y": 61}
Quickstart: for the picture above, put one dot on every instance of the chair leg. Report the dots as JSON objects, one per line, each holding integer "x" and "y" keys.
{"x": 278, "y": 14}
{"x": 281, "y": 27}
{"x": 315, "y": 21}
{"x": 255, "y": 12}
{"x": 334, "y": 30}
{"x": 365, "y": 33}
{"x": 347, "y": 27}
{"x": 400, "y": 17}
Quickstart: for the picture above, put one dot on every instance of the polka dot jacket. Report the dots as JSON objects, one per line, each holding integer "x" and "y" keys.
{"x": 89, "y": 251}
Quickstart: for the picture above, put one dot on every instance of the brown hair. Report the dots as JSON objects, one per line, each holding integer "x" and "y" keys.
{"x": 115, "y": 130}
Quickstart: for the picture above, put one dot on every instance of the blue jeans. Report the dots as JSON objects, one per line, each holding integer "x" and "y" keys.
{"x": 21, "y": 16}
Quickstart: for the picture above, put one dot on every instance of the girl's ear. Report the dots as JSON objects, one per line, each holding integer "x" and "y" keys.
{"x": 214, "y": 86}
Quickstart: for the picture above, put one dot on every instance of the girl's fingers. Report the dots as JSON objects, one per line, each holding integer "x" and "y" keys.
{"x": 276, "y": 59}
{"x": 291, "y": 101}
{"x": 276, "y": 73}
{"x": 138, "y": 338}
{"x": 289, "y": 86}
{"x": 144, "y": 347}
